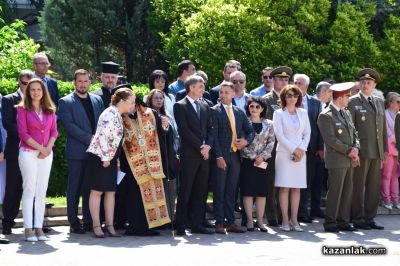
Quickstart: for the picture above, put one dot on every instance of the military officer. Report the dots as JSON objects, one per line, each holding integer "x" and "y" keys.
{"x": 281, "y": 77}
{"x": 341, "y": 155}
{"x": 368, "y": 114}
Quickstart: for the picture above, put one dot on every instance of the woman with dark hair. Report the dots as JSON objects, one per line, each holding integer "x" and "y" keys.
{"x": 158, "y": 80}
{"x": 253, "y": 179}
{"x": 104, "y": 150}
{"x": 37, "y": 130}
{"x": 292, "y": 131}
{"x": 169, "y": 147}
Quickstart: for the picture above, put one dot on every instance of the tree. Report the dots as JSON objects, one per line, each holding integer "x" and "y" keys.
{"x": 83, "y": 34}
{"x": 16, "y": 49}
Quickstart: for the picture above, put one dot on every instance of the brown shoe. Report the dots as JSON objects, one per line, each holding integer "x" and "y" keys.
{"x": 219, "y": 229}
{"x": 233, "y": 228}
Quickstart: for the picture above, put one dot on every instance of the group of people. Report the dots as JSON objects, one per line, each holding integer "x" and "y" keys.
{"x": 132, "y": 159}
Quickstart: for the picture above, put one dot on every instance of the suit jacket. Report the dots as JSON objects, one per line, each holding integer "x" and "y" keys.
{"x": 289, "y": 138}
{"x": 314, "y": 109}
{"x": 77, "y": 125}
{"x": 339, "y": 135}
{"x": 52, "y": 87}
{"x": 272, "y": 103}
{"x": 222, "y": 129}
{"x": 193, "y": 132}
{"x": 370, "y": 125}
{"x": 105, "y": 95}
{"x": 9, "y": 118}
{"x": 214, "y": 94}
{"x": 182, "y": 94}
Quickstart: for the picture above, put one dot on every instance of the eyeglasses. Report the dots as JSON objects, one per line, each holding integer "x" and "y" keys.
{"x": 43, "y": 64}
{"x": 24, "y": 82}
{"x": 238, "y": 81}
{"x": 267, "y": 77}
{"x": 252, "y": 106}
{"x": 289, "y": 96}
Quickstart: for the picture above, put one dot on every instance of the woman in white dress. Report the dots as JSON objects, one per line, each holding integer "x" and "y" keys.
{"x": 292, "y": 131}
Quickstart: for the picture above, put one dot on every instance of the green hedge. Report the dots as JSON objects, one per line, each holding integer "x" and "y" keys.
{"x": 58, "y": 177}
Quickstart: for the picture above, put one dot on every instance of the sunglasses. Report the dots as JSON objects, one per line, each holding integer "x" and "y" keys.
{"x": 252, "y": 106}
{"x": 238, "y": 81}
{"x": 267, "y": 77}
{"x": 289, "y": 96}
{"x": 24, "y": 82}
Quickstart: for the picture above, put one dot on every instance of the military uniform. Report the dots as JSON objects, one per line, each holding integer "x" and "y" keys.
{"x": 368, "y": 114}
{"x": 340, "y": 137}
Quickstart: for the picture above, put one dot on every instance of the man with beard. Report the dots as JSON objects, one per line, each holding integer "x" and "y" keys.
{"x": 79, "y": 112}
{"x": 141, "y": 160}
{"x": 109, "y": 78}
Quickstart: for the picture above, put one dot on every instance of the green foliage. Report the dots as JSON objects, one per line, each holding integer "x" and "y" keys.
{"x": 258, "y": 33}
{"x": 16, "y": 49}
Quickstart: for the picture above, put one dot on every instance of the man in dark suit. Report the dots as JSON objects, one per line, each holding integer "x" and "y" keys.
{"x": 193, "y": 118}
{"x": 315, "y": 146}
{"x": 230, "y": 67}
{"x": 79, "y": 112}
{"x": 206, "y": 95}
{"x": 13, "y": 192}
{"x": 230, "y": 123}
{"x": 109, "y": 78}
{"x": 281, "y": 77}
{"x": 41, "y": 65}
{"x": 368, "y": 113}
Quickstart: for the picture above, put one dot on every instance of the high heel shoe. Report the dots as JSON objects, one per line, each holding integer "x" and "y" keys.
{"x": 97, "y": 235}
{"x": 251, "y": 227}
{"x": 285, "y": 228}
{"x": 261, "y": 227}
{"x": 111, "y": 234}
{"x": 296, "y": 227}
{"x": 30, "y": 236}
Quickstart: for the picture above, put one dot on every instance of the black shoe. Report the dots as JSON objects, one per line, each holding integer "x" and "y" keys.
{"x": 77, "y": 229}
{"x": 4, "y": 241}
{"x": 348, "y": 228}
{"x": 7, "y": 231}
{"x": 120, "y": 226}
{"x": 202, "y": 230}
{"x": 149, "y": 232}
{"x": 362, "y": 226}
{"x": 238, "y": 208}
{"x": 304, "y": 218}
{"x": 181, "y": 232}
{"x": 46, "y": 229}
{"x": 88, "y": 227}
{"x": 208, "y": 224}
{"x": 273, "y": 223}
{"x": 373, "y": 225}
{"x": 318, "y": 214}
{"x": 332, "y": 229}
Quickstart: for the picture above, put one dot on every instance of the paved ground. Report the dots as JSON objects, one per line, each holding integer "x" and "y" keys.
{"x": 253, "y": 248}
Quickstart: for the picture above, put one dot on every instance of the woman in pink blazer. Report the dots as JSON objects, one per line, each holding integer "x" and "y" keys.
{"x": 37, "y": 129}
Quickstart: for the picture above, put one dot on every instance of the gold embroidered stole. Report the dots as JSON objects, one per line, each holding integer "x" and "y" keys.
{"x": 142, "y": 149}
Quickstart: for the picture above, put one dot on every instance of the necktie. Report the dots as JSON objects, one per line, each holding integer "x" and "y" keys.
{"x": 371, "y": 103}
{"x": 233, "y": 129}
{"x": 197, "y": 109}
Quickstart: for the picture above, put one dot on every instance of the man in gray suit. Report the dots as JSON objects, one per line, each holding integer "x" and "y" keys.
{"x": 368, "y": 113}
{"x": 315, "y": 146}
{"x": 79, "y": 112}
{"x": 341, "y": 155}
{"x": 281, "y": 77}
{"x": 230, "y": 122}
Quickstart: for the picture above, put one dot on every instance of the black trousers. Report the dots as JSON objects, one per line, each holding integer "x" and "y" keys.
{"x": 305, "y": 193}
{"x": 13, "y": 193}
{"x": 192, "y": 193}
